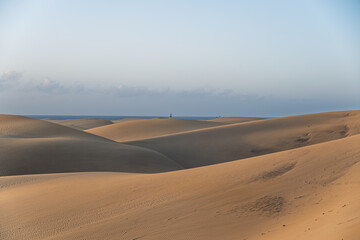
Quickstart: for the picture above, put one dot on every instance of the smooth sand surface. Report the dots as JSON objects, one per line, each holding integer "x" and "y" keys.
{"x": 235, "y": 119}
{"x": 304, "y": 186}
{"x": 149, "y": 128}
{"x": 305, "y": 193}
{"x": 29, "y": 146}
{"x": 83, "y": 123}
{"x": 126, "y": 120}
{"x": 242, "y": 140}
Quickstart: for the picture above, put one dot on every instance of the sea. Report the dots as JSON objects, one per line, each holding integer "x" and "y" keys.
{"x": 106, "y": 117}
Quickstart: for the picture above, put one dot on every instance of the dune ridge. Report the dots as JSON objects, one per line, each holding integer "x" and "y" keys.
{"x": 313, "y": 199}
{"x": 235, "y": 119}
{"x": 286, "y": 178}
{"x": 30, "y": 146}
{"x": 126, "y": 120}
{"x": 82, "y": 123}
{"x": 149, "y": 128}
{"x": 242, "y": 140}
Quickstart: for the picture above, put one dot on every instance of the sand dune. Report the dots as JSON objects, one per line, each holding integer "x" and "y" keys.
{"x": 304, "y": 193}
{"x": 126, "y": 120}
{"x": 287, "y": 178}
{"x": 243, "y": 140}
{"x": 235, "y": 119}
{"x": 31, "y": 146}
{"x": 82, "y": 123}
{"x": 149, "y": 128}
{"x": 12, "y": 126}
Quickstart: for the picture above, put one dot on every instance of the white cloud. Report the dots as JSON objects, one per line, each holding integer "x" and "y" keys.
{"x": 45, "y": 93}
{"x": 8, "y": 79}
{"x": 46, "y": 82}
{"x": 10, "y": 75}
{"x": 50, "y": 86}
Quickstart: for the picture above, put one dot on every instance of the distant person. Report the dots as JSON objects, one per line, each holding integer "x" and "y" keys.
{"x": 170, "y": 115}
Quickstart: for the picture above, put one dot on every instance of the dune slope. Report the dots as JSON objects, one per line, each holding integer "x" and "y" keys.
{"x": 242, "y": 140}
{"x": 149, "y": 128}
{"x": 83, "y": 123}
{"x": 126, "y": 120}
{"x": 304, "y": 193}
{"x": 234, "y": 119}
{"x": 29, "y": 146}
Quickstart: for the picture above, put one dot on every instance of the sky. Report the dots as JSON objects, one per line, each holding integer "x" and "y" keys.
{"x": 189, "y": 58}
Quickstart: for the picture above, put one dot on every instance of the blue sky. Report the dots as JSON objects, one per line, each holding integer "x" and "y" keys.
{"x": 258, "y": 58}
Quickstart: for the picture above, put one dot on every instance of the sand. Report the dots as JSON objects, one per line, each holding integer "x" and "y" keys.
{"x": 242, "y": 140}
{"x": 300, "y": 189}
{"x": 83, "y": 123}
{"x": 126, "y": 120}
{"x": 149, "y": 128}
{"x": 30, "y": 146}
{"x": 235, "y": 119}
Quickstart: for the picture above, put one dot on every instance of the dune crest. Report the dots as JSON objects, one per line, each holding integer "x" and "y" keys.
{"x": 149, "y": 128}
{"x": 287, "y": 178}
{"x": 235, "y": 119}
{"x": 30, "y": 146}
{"x": 82, "y": 123}
{"x": 242, "y": 140}
{"x": 223, "y": 201}
{"x": 126, "y": 120}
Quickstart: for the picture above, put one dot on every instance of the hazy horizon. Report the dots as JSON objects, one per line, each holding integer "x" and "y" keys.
{"x": 203, "y": 58}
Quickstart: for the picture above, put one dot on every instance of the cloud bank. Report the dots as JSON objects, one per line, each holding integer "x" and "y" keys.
{"x": 10, "y": 75}
{"x": 48, "y": 96}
